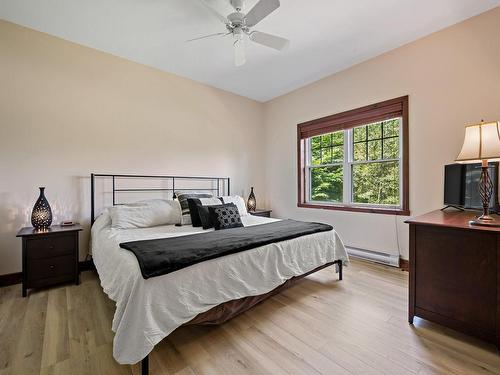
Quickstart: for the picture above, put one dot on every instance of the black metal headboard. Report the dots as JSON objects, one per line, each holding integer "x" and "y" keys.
{"x": 217, "y": 185}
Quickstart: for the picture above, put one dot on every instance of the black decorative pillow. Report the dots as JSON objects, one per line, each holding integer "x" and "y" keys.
{"x": 225, "y": 216}
{"x": 195, "y": 203}
{"x": 206, "y": 220}
{"x": 183, "y": 201}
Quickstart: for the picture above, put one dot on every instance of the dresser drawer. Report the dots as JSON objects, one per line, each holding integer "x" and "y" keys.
{"x": 51, "y": 267}
{"x": 50, "y": 246}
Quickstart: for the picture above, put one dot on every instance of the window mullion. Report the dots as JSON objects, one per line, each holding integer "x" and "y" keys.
{"x": 307, "y": 182}
{"x": 400, "y": 156}
{"x": 347, "y": 166}
{"x": 382, "y": 139}
{"x": 366, "y": 142}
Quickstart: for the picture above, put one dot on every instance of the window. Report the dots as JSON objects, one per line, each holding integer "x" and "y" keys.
{"x": 356, "y": 160}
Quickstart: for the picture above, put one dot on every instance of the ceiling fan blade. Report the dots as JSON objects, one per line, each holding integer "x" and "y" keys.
{"x": 269, "y": 40}
{"x": 215, "y": 13}
{"x": 206, "y": 36}
{"x": 239, "y": 53}
{"x": 260, "y": 11}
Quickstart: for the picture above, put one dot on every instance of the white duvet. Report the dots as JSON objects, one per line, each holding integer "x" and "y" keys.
{"x": 149, "y": 310}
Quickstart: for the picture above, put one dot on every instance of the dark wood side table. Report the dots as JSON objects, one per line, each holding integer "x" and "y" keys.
{"x": 261, "y": 212}
{"x": 455, "y": 273}
{"x": 49, "y": 256}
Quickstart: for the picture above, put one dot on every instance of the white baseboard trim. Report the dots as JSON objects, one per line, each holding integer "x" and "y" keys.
{"x": 374, "y": 256}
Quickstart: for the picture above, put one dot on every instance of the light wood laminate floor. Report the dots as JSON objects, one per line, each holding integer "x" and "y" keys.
{"x": 320, "y": 326}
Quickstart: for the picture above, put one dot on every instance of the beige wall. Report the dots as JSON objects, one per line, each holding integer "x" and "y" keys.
{"x": 452, "y": 78}
{"x": 67, "y": 111}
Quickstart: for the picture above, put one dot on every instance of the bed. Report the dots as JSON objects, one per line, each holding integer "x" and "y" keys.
{"x": 209, "y": 292}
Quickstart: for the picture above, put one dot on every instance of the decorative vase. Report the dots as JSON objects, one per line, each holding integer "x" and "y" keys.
{"x": 251, "y": 202}
{"x": 41, "y": 216}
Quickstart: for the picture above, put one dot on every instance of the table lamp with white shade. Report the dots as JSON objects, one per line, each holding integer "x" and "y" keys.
{"x": 481, "y": 144}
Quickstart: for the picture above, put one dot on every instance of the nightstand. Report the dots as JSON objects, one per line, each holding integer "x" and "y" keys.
{"x": 49, "y": 256}
{"x": 261, "y": 212}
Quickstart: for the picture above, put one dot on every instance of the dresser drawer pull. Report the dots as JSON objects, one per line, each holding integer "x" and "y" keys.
{"x": 51, "y": 247}
{"x": 52, "y": 267}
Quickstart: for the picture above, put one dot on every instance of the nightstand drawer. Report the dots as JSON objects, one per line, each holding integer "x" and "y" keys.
{"x": 51, "y": 267}
{"x": 261, "y": 212}
{"x": 52, "y": 246}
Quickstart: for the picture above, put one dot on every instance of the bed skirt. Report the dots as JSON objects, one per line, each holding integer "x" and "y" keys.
{"x": 228, "y": 310}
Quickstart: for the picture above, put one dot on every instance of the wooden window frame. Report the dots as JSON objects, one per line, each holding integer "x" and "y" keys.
{"x": 385, "y": 110}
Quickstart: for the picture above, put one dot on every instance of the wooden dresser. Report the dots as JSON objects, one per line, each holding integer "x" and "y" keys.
{"x": 455, "y": 273}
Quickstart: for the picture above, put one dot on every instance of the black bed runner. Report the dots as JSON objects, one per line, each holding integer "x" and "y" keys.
{"x": 161, "y": 256}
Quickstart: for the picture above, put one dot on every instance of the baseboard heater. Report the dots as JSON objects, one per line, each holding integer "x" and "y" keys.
{"x": 374, "y": 256}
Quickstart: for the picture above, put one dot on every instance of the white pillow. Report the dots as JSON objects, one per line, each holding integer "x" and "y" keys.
{"x": 145, "y": 214}
{"x": 210, "y": 201}
{"x": 238, "y": 201}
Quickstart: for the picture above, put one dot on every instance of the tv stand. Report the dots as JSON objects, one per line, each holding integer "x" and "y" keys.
{"x": 452, "y": 206}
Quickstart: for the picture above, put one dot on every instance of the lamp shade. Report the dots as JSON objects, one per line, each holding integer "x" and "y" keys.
{"x": 481, "y": 142}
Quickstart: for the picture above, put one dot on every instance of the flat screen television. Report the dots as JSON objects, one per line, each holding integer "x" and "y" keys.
{"x": 461, "y": 186}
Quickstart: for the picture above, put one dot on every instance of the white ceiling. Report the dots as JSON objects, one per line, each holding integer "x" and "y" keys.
{"x": 326, "y": 35}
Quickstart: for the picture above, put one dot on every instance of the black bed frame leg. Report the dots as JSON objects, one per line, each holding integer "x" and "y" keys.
{"x": 340, "y": 269}
{"x": 145, "y": 366}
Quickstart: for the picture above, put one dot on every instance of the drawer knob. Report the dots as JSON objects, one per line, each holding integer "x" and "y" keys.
{"x": 51, "y": 247}
{"x": 52, "y": 266}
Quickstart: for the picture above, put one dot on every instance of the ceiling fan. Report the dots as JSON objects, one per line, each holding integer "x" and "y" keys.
{"x": 239, "y": 25}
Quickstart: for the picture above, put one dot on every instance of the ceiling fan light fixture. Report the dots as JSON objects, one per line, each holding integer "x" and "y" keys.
{"x": 237, "y": 4}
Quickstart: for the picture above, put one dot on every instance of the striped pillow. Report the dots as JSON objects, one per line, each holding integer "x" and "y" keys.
{"x": 183, "y": 201}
